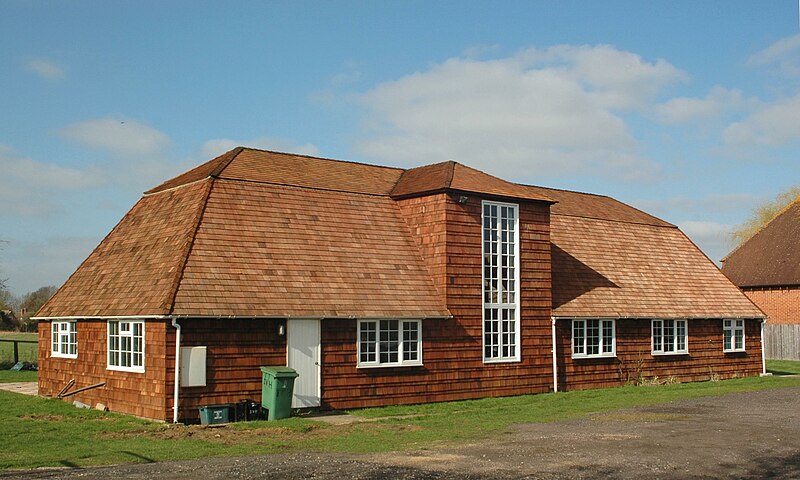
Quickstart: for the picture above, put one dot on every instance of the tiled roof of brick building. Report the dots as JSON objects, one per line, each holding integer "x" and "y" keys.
{"x": 771, "y": 257}
{"x": 257, "y": 233}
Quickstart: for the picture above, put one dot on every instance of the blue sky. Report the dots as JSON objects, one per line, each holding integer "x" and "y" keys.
{"x": 689, "y": 110}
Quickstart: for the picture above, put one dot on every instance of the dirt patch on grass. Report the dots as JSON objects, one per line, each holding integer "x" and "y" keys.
{"x": 42, "y": 417}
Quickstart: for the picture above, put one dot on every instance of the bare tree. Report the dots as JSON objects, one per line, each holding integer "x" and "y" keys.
{"x": 763, "y": 214}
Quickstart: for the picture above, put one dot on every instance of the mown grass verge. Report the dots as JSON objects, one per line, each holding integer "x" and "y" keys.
{"x": 43, "y": 432}
{"x": 783, "y": 367}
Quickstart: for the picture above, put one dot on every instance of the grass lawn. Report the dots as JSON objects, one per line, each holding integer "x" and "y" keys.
{"x": 8, "y": 376}
{"x": 44, "y": 432}
{"x": 28, "y": 352}
{"x": 783, "y": 367}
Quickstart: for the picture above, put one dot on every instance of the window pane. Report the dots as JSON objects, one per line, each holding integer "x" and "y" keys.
{"x": 608, "y": 336}
{"x": 669, "y": 335}
{"x": 657, "y": 336}
{"x": 681, "y": 335}
{"x": 728, "y": 340}
{"x": 592, "y": 337}
{"x": 577, "y": 337}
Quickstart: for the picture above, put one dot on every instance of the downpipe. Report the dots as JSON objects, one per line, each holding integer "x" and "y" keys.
{"x": 555, "y": 357}
{"x": 175, "y": 402}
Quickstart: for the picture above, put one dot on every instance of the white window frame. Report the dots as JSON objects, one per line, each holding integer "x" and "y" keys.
{"x": 732, "y": 325}
{"x": 119, "y": 351}
{"x": 657, "y": 341}
{"x": 64, "y": 339}
{"x": 601, "y": 345}
{"x": 507, "y": 295}
{"x": 377, "y": 343}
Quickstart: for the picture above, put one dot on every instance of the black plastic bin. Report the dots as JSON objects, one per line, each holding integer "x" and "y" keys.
{"x": 248, "y": 410}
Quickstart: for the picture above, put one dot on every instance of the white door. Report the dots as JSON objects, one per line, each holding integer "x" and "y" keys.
{"x": 302, "y": 337}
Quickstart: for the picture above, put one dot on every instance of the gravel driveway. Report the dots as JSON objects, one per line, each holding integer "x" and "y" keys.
{"x": 745, "y": 435}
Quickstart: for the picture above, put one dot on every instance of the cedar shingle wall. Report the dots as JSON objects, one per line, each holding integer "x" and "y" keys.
{"x": 782, "y": 305}
{"x": 427, "y": 220}
{"x": 452, "y": 349}
{"x": 236, "y": 350}
{"x": 634, "y": 356}
{"x": 140, "y": 394}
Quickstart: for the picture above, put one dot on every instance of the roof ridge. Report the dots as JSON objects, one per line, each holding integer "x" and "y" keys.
{"x": 451, "y": 173}
{"x": 323, "y": 158}
{"x": 568, "y": 191}
{"x": 612, "y": 220}
{"x": 762, "y": 228}
{"x": 223, "y": 165}
{"x": 307, "y": 187}
{"x": 169, "y": 301}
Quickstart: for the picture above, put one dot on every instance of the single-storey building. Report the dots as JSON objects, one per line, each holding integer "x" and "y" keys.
{"x": 767, "y": 269}
{"x": 383, "y": 286}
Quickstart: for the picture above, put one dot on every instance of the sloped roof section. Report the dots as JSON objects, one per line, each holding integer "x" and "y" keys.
{"x": 280, "y": 251}
{"x": 136, "y": 268}
{"x": 211, "y": 168}
{"x": 771, "y": 257}
{"x": 587, "y": 205}
{"x": 604, "y": 268}
{"x": 454, "y": 176}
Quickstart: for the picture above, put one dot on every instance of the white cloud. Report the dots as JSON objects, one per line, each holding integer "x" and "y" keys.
{"x": 45, "y": 69}
{"x": 774, "y": 125}
{"x": 712, "y": 204}
{"x": 117, "y": 135}
{"x": 218, "y": 146}
{"x": 719, "y": 100}
{"x": 784, "y": 53}
{"x": 30, "y": 187}
{"x": 540, "y": 112}
{"x": 713, "y": 238}
{"x": 33, "y": 263}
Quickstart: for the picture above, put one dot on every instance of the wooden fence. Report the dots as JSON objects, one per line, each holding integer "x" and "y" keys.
{"x": 782, "y": 342}
{"x": 16, "y": 347}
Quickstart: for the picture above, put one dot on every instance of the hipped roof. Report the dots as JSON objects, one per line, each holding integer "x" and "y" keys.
{"x": 257, "y": 233}
{"x": 771, "y": 257}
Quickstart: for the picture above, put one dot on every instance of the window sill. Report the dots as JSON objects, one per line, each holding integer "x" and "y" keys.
{"x": 670, "y": 354}
{"x": 63, "y": 355}
{"x": 488, "y": 361}
{"x": 389, "y": 365}
{"x": 742, "y": 350}
{"x": 590, "y": 357}
{"x": 126, "y": 369}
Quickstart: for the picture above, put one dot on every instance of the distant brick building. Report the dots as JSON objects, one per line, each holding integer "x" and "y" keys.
{"x": 767, "y": 269}
{"x": 383, "y": 286}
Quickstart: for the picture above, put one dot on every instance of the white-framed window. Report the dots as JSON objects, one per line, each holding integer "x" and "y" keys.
{"x": 501, "y": 336}
{"x": 65, "y": 339}
{"x": 669, "y": 337}
{"x": 389, "y": 343}
{"x": 733, "y": 335}
{"x": 126, "y": 345}
{"x": 593, "y": 338}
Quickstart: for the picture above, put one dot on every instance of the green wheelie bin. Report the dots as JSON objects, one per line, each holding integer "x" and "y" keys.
{"x": 277, "y": 387}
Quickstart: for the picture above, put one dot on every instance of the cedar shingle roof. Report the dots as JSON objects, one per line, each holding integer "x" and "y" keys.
{"x": 273, "y": 250}
{"x": 136, "y": 269}
{"x": 607, "y": 268}
{"x": 771, "y": 257}
{"x": 454, "y": 176}
{"x": 258, "y": 233}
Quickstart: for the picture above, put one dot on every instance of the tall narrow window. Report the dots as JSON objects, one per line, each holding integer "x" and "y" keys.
{"x": 593, "y": 338}
{"x": 669, "y": 337}
{"x": 500, "y": 282}
{"x": 65, "y": 339}
{"x": 733, "y": 335}
{"x": 126, "y": 345}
